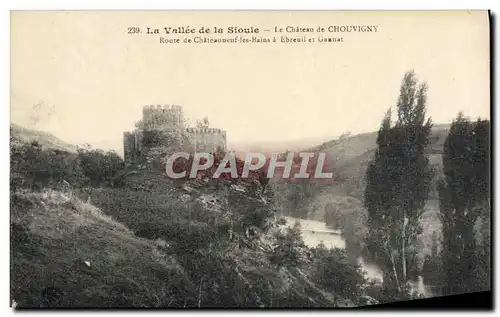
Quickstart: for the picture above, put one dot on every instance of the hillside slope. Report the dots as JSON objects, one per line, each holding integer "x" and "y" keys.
{"x": 45, "y": 139}
{"x": 349, "y": 158}
{"x": 195, "y": 244}
{"x": 67, "y": 253}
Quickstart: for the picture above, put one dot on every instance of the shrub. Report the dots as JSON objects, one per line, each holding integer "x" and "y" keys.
{"x": 35, "y": 168}
{"x": 332, "y": 269}
{"x": 290, "y": 250}
{"x": 102, "y": 168}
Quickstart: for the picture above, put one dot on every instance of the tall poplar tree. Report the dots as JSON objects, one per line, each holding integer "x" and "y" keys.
{"x": 464, "y": 197}
{"x": 397, "y": 185}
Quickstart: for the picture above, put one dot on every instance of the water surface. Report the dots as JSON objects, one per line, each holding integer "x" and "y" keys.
{"x": 315, "y": 232}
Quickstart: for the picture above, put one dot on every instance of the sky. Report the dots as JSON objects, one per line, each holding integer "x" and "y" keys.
{"x": 80, "y": 76}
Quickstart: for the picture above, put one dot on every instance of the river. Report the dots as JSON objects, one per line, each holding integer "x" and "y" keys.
{"x": 314, "y": 232}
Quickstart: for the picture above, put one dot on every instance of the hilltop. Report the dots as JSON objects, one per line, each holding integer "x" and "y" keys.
{"x": 349, "y": 156}
{"x": 47, "y": 140}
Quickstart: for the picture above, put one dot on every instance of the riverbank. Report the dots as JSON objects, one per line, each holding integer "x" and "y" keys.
{"x": 315, "y": 232}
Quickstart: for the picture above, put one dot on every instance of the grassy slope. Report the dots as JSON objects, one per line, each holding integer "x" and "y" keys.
{"x": 350, "y": 157}
{"x": 54, "y": 235}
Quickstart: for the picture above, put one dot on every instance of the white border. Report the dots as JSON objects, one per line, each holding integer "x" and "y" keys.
{"x": 189, "y": 5}
{"x": 253, "y": 5}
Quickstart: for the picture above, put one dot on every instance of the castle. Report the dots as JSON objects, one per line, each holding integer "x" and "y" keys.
{"x": 163, "y": 129}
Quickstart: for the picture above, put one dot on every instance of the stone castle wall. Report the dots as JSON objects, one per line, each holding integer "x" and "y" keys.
{"x": 167, "y": 121}
{"x": 206, "y": 140}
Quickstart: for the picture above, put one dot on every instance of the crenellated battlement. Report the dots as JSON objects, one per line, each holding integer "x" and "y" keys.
{"x": 162, "y": 116}
{"x": 205, "y": 131}
{"x": 163, "y": 107}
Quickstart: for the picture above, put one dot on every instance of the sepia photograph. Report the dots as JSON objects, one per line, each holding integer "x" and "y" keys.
{"x": 250, "y": 159}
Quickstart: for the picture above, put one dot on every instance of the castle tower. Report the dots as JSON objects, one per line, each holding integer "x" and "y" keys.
{"x": 162, "y": 117}
{"x": 165, "y": 124}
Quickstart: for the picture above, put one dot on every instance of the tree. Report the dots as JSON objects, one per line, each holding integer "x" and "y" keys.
{"x": 99, "y": 166}
{"x": 30, "y": 165}
{"x": 482, "y": 269}
{"x": 432, "y": 268}
{"x": 35, "y": 167}
{"x": 333, "y": 216}
{"x": 345, "y": 136}
{"x": 397, "y": 185}
{"x": 299, "y": 198}
{"x": 203, "y": 123}
{"x": 290, "y": 250}
{"x": 348, "y": 215}
{"x": 464, "y": 196}
{"x": 333, "y": 270}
